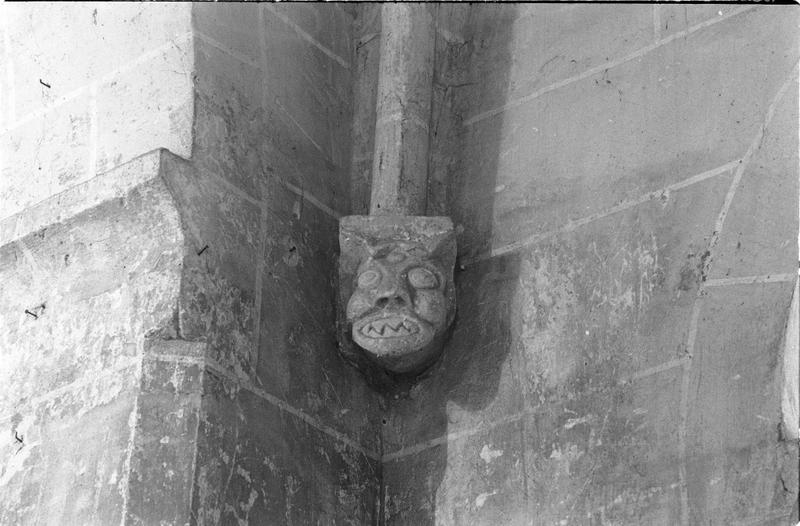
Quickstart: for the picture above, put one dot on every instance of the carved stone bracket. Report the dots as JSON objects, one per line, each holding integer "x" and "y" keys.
{"x": 396, "y": 291}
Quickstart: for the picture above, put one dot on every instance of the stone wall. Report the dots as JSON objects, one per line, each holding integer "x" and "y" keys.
{"x": 626, "y": 181}
{"x": 86, "y": 88}
{"x": 77, "y": 300}
{"x": 178, "y": 360}
{"x": 625, "y": 185}
{"x": 289, "y": 431}
{"x": 91, "y": 244}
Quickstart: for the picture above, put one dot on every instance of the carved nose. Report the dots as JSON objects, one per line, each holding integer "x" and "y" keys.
{"x": 394, "y": 300}
{"x": 392, "y": 296}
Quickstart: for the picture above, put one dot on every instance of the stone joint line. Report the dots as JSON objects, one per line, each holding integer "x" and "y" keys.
{"x": 78, "y": 384}
{"x": 133, "y": 420}
{"x": 694, "y": 321}
{"x": 450, "y": 437}
{"x": 307, "y": 135}
{"x": 683, "y": 362}
{"x": 322, "y": 207}
{"x": 313, "y": 41}
{"x": 281, "y": 404}
{"x": 602, "y": 67}
{"x": 69, "y": 196}
{"x": 103, "y": 79}
{"x": 259, "y": 279}
{"x": 217, "y": 369}
{"x": 750, "y": 280}
{"x": 245, "y": 60}
{"x": 228, "y": 51}
{"x": 625, "y": 205}
{"x": 305, "y": 195}
{"x": 93, "y": 129}
{"x": 408, "y": 117}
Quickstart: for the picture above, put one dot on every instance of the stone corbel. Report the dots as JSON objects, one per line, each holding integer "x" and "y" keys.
{"x": 396, "y": 291}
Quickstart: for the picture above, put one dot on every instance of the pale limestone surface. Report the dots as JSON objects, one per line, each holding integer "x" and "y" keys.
{"x": 87, "y": 87}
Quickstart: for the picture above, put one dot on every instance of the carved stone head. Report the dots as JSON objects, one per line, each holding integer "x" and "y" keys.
{"x": 397, "y": 296}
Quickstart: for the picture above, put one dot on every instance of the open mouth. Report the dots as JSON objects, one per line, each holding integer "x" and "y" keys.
{"x": 389, "y": 328}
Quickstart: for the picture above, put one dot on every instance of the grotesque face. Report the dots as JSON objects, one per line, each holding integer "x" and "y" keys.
{"x": 399, "y": 288}
{"x": 399, "y": 304}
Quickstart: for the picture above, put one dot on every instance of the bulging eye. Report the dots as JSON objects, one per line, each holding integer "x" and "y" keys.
{"x": 422, "y": 278}
{"x": 368, "y": 279}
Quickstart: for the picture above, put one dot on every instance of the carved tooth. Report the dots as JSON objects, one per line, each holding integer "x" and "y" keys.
{"x": 389, "y": 327}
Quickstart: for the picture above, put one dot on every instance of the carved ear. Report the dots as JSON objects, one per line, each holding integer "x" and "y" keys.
{"x": 354, "y": 248}
{"x": 360, "y": 236}
{"x": 442, "y": 250}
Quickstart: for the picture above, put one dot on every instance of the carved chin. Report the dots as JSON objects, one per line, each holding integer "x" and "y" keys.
{"x": 392, "y": 334}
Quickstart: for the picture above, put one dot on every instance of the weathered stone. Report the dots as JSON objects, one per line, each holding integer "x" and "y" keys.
{"x": 396, "y": 291}
{"x": 328, "y": 24}
{"x": 310, "y": 85}
{"x": 546, "y": 34}
{"x": 746, "y": 414}
{"x": 222, "y": 230}
{"x": 716, "y": 100}
{"x": 298, "y": 322}
{"x": 365, "y": 91}
{"x": 477, "y": 382}
{"x": 165, "y": 439}
{"x": 68, "y": 46}
{"x": 70, "y": 202}
{"x": 230, "y": 125}
{"x": 82, "y": 469}
{"x": 760, "y": 230}
{"x": 400, "y": 160}
{"x": 154, "y": 100}
{"x": 52, "y": 150}
{"x": 574, "y": 387}
{"x": 599, "y": 219}
{"x": 669, "y": 19}
{"x": 139, "y": 282}
{"x": 474, "y": 479}
{"x": 233, "y": 27}
{"x": 259, "y": 463}
{"x": 100, "y": 290}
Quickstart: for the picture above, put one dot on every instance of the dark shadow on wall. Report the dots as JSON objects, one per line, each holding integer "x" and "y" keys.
{"x": 470, "y": 378}
{"x": 287, "y": 428}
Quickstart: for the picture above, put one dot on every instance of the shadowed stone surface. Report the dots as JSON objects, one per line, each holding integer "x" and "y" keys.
{"x": 298, "y": 350}
{"x": 261, "y": 465}
{"x": 593, "y": 201}
{"x": 740, "y": 465}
